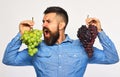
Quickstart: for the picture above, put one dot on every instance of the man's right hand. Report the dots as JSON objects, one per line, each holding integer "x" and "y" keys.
{"x": 25, "y": 25}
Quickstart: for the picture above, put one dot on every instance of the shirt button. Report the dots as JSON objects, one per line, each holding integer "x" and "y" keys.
{"x": 75, "y": 55}
{"x": 59, "y": 55}
{"x": 60, "y": 66}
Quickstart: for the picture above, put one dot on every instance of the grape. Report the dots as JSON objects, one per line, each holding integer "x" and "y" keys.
{"x": 87, "y": 37}
{"x": 32, "y": 39}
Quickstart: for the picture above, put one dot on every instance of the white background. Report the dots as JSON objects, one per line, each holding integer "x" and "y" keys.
{"x": 14, "y": 11}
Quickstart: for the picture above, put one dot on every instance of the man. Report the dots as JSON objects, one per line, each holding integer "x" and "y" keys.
{"x": 58, "y": 55}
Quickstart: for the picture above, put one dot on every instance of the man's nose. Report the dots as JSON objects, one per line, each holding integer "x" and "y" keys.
{"x": 44, "y": 24}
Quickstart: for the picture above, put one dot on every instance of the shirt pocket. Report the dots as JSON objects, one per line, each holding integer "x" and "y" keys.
{"x": 44, "y": 55}
{"x": 46, "y": 58}
{"x": 47, "y": 61}
{"x": 73, "y": 58}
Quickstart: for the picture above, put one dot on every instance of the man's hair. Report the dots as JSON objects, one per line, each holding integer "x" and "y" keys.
{"x": 59, "y": 11}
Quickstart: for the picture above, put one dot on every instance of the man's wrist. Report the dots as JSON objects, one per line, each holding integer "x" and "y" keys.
{"x": 99, "y": 30}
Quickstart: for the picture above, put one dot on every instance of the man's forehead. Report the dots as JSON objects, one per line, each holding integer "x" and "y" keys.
{"x": 49, "y": 15}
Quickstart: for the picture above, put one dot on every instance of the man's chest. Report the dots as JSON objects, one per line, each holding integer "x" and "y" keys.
{"x": 61, "y": 56}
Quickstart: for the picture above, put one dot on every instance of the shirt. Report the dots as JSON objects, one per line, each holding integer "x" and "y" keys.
{"x": 67, "y": 59}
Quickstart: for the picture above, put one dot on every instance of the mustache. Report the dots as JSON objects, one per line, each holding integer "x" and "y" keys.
{"x": 45, "y": 29}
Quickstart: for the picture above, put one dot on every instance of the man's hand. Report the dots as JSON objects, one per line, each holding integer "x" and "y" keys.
{"x": 25, "y": 25}
{"x": 95, "y": 22}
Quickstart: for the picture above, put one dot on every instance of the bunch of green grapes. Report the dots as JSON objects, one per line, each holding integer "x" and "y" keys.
{"x": 32, "y": 39}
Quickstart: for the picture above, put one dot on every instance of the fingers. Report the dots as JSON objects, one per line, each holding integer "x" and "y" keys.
{"x": 95, "y": 22}
{"x": 26, "y": 25}
{"x": 92, "y": 21}
{"x": 29, "y": 23}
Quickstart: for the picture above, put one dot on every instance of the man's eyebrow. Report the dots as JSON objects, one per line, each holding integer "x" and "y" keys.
{"x": 46, "y": 20}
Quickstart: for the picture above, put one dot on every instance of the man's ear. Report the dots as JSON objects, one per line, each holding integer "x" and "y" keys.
{"x": 61, "y": 25}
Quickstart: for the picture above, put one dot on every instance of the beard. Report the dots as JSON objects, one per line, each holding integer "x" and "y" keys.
{"x": 53, "y": 36}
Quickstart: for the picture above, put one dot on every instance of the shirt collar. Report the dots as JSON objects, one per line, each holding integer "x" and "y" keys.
{"x": 67, "y": 39}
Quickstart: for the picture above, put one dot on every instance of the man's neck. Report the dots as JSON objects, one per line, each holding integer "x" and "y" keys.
{"x": 61, "y": 37}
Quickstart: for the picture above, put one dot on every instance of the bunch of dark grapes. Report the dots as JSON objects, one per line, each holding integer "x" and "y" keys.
{"x": 87, "y": 36}
{"x": 32, "y": 39}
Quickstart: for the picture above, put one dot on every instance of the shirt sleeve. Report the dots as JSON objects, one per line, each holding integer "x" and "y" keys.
{"x": 13, "y": 56}
{"x": 109, "y": 53}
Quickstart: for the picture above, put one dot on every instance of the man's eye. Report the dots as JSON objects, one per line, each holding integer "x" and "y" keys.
{"x": 43, "y": 21}
{"x": 48, "y": 21}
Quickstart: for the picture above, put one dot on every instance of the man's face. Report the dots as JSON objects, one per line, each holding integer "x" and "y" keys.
{"x": 50, "y": 28}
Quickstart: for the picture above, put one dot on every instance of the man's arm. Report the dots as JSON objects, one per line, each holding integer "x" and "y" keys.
{"x": 13, "y": 56}
{"x": 109, "y": 53}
